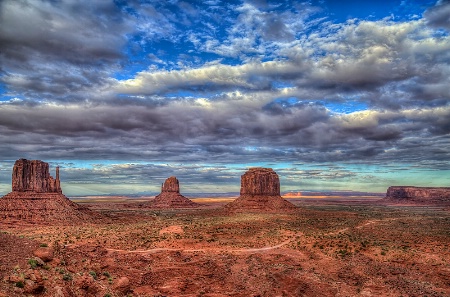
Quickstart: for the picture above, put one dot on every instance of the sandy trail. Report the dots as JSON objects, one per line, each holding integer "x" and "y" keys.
{"x": 245, "y": 250}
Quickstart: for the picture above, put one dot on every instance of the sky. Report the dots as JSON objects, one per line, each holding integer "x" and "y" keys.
{"x": 333, "y": 95}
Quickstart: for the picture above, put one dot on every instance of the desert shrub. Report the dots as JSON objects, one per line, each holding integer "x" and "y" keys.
{"x": 43, "y": 245}
{"x": 67, "y": 277}
{"x": 20, "y": 284}
{"x": 94, "y": 275}
{"x": 33, "y": 263}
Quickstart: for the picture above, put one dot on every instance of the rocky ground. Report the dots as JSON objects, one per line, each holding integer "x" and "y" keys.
{"x": 337, "y": 248}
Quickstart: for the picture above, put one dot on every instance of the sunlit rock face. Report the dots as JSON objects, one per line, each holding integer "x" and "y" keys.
{"x": 260, "y": 192}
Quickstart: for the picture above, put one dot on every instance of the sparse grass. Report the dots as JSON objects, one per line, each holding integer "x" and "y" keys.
{"x": 33, "y": 263}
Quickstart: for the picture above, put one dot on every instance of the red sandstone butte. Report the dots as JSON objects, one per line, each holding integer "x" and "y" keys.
{"x": 34, "y": 176}
{"x": 260, "y": 191}
{"x": 37, "y": 197}
{"x": 422, "y": 195}
{"x": 170, "y": 196}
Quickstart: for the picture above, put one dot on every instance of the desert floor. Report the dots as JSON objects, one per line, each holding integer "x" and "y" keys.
{"x": 329, "y": 247}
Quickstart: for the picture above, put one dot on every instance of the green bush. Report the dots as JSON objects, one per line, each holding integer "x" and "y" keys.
{"x": 33, "y": 263}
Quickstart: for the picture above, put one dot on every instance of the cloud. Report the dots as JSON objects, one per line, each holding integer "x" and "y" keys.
{"x": 439, "y": 15}
{"x": 400, "y": 63}
{"x": 62, "y": 51}
{"x": 218, "y": 131}
{"x": 217, "y": 77}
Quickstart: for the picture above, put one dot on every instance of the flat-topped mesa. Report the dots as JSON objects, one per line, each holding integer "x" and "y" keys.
{"x": 34, "y": 176}
{"x": 171, "y": 185}
{"x": 260, "y": 192}
{"x": 418, "y": 194}
{"x": 260, "y": 181}
{"x": 170, "y": 196}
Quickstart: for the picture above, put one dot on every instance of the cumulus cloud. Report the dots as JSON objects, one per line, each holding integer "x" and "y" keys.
{"x": 402, "y": 62}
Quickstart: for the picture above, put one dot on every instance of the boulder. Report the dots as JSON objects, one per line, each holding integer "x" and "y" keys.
{"x": 44, "y": 253}
{"x": 122, "y": 285}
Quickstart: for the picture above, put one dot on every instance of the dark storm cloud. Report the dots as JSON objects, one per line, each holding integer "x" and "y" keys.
{"x": 439, "y": 15}
{"x": 218, "y": 133}
{"x": 59, "y": 50}
{"x": 75, "y": 32}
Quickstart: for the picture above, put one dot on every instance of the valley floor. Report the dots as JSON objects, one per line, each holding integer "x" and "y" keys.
{"x": 323, "y": 249}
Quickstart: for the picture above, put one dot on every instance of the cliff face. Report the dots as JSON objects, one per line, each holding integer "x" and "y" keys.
{"x": 260, "y": 192}
{"x": 34, "y": 176}
{"x": 260, "y": 181}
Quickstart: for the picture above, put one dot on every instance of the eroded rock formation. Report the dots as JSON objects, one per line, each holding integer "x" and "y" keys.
{"x": 260, "y": 181}
{"x": 34, "y": 176}
{"x": 171, "y": 185}
{"x": 260, "y": 191}
{"x": 170, "y": 196}
{"x": 418, "y": 194}
{"x": 37, "y": 197}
